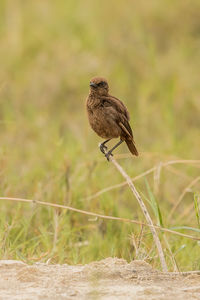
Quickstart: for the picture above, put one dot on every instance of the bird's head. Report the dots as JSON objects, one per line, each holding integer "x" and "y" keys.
{"x": 99, "y": 85}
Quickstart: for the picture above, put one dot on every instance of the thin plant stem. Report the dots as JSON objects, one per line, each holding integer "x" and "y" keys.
{"x": 192, "y": 183}
{"x": 54, "y": 205}
{"x": 163, "y": 164}
{"x": 145, "y": 212}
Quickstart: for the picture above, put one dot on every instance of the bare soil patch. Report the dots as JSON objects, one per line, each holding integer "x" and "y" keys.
{"x": 111, "y": 278}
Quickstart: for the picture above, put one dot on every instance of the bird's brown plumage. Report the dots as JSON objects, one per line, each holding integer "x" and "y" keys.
{"x": 108, "y": 116}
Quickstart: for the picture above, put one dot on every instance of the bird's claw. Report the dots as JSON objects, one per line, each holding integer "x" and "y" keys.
{"x": 108, "y": 154}
{"x": 103, "y": 148}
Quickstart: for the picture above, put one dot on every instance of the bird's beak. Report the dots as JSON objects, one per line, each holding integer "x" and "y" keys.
{"x": 93, "y": 84}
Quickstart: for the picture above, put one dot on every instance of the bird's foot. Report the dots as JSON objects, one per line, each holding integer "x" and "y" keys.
{"x": 108, "y": 154}
{"x": 103, "y": 148}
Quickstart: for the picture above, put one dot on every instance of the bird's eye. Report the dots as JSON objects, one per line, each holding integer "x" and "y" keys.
{"x": 101, "y": 84}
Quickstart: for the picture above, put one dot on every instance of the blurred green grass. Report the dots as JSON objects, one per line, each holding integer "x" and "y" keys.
{"x": 149, "y": 51}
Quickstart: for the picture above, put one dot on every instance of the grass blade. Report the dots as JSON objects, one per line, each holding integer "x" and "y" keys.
{"x": 154, "y": 204}
{"x": 197, "y": 207}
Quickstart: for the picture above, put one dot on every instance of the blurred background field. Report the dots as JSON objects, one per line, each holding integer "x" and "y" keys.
{"x": 149, "y": 52}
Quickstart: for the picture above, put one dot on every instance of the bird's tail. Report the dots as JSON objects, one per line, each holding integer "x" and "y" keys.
{"x": 132, "y": 147}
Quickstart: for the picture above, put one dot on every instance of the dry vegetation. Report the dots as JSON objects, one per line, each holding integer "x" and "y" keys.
{"x": 149, "y": 51}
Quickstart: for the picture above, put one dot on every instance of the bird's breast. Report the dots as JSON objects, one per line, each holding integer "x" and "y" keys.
{"x": 103, "y": 123}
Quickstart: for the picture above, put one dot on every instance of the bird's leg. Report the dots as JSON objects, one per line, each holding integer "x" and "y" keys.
{"x": 109, "y": 153}
{"x": 102, "y": 146}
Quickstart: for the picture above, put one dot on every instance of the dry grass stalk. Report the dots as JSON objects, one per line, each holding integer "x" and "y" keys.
{"x": 164, "y": 164}
{"x": 99, "y": 215}
{"x": 145, "y": 212}
{"x": 191, "y": 184}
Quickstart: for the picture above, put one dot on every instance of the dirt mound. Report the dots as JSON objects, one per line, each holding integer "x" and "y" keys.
{"x": 111, "y": 278}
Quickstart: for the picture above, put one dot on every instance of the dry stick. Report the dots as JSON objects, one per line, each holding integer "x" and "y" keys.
{"x": 186, "y": 213}
{"x": 145, "y": 212}
{"x": 109, "y": 188}
{"x": 173, "y": 170}
{"x": 171, "y": 254}
{"x": 168, "y": 163}
{"x": 99, "y": 216}
{"x": 193, "y": 182}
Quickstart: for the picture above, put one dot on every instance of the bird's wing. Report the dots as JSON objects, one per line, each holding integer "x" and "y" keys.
{"x": 122, "y": 116}
{"x": 118, "y": 104}
{"x": 125, "y": 126}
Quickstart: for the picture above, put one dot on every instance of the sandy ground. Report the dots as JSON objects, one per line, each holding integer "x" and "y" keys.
{"x": 111, "y": 278}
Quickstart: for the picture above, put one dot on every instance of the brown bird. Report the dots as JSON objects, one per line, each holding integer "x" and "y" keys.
{"x": 108, "y": 116}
